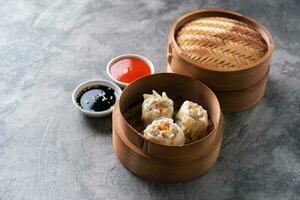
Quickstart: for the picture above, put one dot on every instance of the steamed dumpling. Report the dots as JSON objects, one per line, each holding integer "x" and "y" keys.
{"x": 193, "y": 120}
{"x": 164, "y": 131}
{"x": 156, "y": 107}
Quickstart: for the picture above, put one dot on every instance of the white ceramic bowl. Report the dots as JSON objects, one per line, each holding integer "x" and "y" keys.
{"x": 95, "y": 82}
{"x": 115, "y": 59}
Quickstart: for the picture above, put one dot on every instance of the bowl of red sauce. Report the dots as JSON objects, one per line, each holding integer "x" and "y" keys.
{"x": 127, "y": 68}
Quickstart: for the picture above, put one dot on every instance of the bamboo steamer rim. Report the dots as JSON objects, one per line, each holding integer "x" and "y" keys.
{"x": 227, "y": 14}
{"x": 216, "y": 124}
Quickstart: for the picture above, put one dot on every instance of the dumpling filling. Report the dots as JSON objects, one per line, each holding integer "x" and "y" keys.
{"x": 165, "y": 131}
{"x": 156, "y": 106}
{"x": 193, "y": 120}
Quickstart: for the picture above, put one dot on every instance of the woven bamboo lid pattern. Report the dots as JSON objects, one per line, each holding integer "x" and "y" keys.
{"x": 221, "y": 43}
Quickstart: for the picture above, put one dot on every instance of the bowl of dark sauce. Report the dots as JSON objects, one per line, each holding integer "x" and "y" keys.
{"x": 96, "y": 98}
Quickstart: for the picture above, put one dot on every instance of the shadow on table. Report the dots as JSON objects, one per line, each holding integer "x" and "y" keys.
{"x": 101, "y": 125}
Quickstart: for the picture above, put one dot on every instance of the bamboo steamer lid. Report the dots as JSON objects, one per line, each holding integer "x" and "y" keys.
{"x": 224, "y": 49}
{"x": 220, "y": 43}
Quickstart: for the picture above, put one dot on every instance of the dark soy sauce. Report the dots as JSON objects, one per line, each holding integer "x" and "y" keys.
{"x": 97, "y": 98}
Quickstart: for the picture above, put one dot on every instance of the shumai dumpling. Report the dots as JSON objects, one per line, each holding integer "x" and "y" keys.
{"x": 165, "y": 131}
{"x": 156, "y": 107}
{"x": 193, "y": 120}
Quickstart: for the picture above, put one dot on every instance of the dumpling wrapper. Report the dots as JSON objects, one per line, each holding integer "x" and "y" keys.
{"x": 156, "y": 106}
{"x": 193, "y": 120}
{"x": 165, "y": 131}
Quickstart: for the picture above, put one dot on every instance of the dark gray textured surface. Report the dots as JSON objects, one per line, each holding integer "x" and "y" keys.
{"x": 48, "y": 150}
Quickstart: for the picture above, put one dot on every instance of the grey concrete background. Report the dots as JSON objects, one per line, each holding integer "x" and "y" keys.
{"x": 48, "y": 150}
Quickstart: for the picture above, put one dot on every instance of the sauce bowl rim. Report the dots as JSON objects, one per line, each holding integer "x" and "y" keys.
{"x": 130, "y": 55}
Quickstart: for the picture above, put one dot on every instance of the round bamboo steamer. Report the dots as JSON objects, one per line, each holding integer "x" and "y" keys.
{"x": 224, "y": 49}
{"x": 158, "y": 162}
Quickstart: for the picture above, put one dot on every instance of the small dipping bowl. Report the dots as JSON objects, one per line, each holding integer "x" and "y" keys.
{"x": 99, "y": 91}
{"x": 127, "y": 68}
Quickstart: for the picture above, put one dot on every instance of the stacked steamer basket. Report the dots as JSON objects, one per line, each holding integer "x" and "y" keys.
{"x": 159, "y": 162}
{"x": 227, "y": 51}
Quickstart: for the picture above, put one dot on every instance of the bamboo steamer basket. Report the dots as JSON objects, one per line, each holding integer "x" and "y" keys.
{"x": 158, "y": 162}
{"x": 236, "y": 101}
{"x": 226, "y": 50}
{"x": 239, "y": 100}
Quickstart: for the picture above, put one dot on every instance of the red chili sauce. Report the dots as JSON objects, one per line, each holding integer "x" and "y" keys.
{"x": 129, "y": 69}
